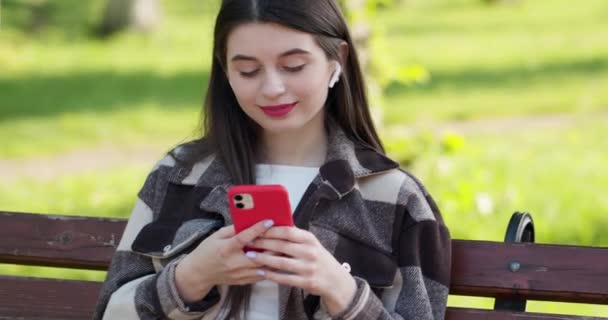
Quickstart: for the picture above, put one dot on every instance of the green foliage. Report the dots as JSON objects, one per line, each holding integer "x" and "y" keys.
{"x": 383, "y": 67}
{"x": 366, "y": 12}
{"x": 553, "y": 173}
{"x": 67, "y": 19}
{"x": 407, "y": 148}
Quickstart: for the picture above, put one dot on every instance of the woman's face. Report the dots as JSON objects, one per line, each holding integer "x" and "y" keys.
{"x": 279, "y": 76}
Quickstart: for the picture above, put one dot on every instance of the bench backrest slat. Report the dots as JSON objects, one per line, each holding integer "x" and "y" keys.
{"x": 546, "y": 272}
{"x": 478, "y": 314}
{"x": 30, "y": 298}
{"x": 479, "y": 268}
{"x": 58, "y": 241}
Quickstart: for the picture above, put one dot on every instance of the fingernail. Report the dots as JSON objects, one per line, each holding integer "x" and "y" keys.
{"x": 268, "y": 223}
{"x": 261, "y": 272}
{"x": 251, "y": 254}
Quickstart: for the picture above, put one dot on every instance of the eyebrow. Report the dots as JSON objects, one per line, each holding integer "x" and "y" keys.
{"x": 282, "y": 55}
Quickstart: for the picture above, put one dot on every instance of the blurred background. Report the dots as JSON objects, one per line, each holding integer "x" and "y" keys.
{"x": 497, "y": 106}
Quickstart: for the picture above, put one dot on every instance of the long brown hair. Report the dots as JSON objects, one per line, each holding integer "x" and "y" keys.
{"x": 232, "y": 136}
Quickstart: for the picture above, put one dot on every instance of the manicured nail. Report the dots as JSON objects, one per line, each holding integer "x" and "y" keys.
{"x": 261, "y": 272}
{"x": 251, "y": 254}
{"x": 268, "y": 223}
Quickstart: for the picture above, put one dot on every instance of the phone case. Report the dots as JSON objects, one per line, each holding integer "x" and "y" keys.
{"x": 250, "y": 204}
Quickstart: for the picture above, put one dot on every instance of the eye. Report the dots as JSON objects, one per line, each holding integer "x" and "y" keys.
{"x": 249, "y": 74}
{"x": 294, "y": 69}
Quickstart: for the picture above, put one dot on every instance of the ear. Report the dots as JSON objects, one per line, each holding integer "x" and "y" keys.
{"x": 335, "y": 77}
{"x": 344, "y": 50}
{"x": 343, "y": 56}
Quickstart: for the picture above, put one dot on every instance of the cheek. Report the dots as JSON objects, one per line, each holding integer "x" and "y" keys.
{"x": 312, "y": 88}
{"x": 244, "y": 91}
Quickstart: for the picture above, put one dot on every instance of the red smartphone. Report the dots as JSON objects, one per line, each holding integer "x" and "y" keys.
{"x": 250, "y": 204}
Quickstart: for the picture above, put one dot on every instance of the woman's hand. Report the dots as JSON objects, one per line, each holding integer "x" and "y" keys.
{"x": 305, "y": 264}
{"x": 219, "y": 259}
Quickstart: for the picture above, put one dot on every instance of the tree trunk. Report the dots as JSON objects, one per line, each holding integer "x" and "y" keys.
{"x": 143, "y": 15}
{"x": 361, "y": 32}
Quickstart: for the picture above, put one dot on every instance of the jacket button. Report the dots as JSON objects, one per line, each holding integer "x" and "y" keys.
{"x": 167, "y": 248}
{"x": 346, "y": 266}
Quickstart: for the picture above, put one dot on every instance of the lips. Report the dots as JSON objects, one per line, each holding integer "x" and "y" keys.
{"x": 280, "y": 110}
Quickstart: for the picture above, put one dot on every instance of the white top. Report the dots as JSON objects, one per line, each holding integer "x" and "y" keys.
{"x": 264, "y": 303}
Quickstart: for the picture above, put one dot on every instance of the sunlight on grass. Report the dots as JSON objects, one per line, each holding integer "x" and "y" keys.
{"x": 143, "y": 124}
{"x": 101, "y": 194}
{"x": 493, "y": 61}
{"x": 524, "y": 170}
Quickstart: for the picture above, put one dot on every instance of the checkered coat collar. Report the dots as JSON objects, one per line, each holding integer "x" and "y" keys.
{"x": 345, "y": 162}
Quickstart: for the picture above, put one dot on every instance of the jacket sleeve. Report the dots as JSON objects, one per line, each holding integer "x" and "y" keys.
{"x": 423, "y": 253}
{"x": 134, "y": 288}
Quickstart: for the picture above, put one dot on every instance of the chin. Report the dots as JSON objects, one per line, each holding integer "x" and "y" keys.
{"x": 291, "y": 123}
{"x": 279, "y": 128}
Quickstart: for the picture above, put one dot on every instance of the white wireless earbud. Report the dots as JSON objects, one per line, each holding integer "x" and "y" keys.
{"x": 336, "y": 76}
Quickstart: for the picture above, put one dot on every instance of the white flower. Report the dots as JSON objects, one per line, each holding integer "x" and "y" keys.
{"x": 484, "y": 203}
{"x": 444, "y": 165}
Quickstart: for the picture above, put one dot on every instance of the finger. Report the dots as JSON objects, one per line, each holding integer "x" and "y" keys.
{"x": 247, "y": 273}
{"x": 244, "y": 237}
{"x": 245, "y": 276}
{"x": 292, "y": 234}
{"x": 279, "y": 247}
{"x": 272, "y": 253}
{"x": 240, "y": 262}
{"x": 292, "y": 280}
{"x": 281, "y": 263}
{"x": 225, "y": 232}
{"x": 251, "y": 280}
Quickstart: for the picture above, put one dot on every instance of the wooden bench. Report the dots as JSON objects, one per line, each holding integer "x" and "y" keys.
{"x": 512, "y": 272}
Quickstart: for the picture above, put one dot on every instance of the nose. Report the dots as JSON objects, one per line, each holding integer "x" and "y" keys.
{"x": 273, "y": 85}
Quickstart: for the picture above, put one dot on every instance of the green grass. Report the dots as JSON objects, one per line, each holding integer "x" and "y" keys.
{"x": 109, "y": 193}
{"x": 535, "y": 57}
{"x": 554, "y": 173}
{"x": 62, "y": 91}
{"x": 150, "y": 123}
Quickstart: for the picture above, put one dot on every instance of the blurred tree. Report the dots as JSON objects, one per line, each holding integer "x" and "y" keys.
{"x": 143, "y": 15}
{"x": 359, "y": 13}
{"x": 381, "y": 69}
{"x": 31, "y": 15}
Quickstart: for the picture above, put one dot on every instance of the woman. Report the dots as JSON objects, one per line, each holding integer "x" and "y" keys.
{"x": 286, "y": 104}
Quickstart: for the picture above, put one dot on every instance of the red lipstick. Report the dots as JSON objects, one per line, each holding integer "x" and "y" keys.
{"x": 278, "y": 111}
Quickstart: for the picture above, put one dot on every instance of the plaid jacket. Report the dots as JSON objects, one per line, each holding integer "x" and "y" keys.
{"x": 373, "y": 217}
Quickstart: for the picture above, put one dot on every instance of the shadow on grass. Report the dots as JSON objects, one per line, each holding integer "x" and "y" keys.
{"x": 42, "y": 96}
{"x": 475, "y": 79}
